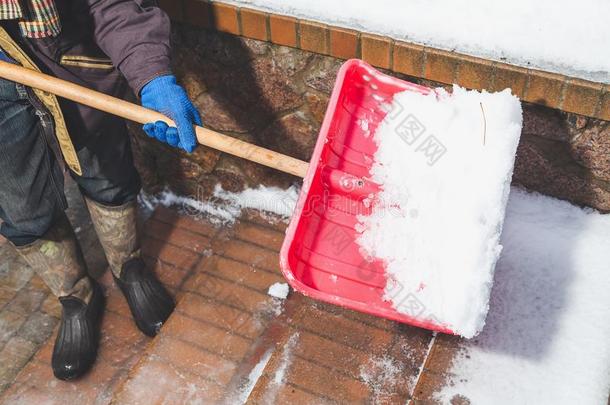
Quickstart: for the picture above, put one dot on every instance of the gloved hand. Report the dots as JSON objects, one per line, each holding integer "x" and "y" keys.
{"x": 164, "y": 95}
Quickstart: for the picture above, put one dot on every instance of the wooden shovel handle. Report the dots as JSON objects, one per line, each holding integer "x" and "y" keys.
{"x": 134, "y": 112}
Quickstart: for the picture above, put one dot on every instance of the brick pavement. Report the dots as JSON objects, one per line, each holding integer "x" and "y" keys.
{"x": 225, "y": 325}
{"x": 28, "y": 312}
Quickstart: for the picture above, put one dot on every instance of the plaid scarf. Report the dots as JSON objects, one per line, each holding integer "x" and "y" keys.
{"x": 37, "y": 18}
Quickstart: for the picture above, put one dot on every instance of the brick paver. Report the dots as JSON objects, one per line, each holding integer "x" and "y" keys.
{"x": 224, "y": 326}
{"x": 435, "y": 369}
{"x": 23, "y": 324}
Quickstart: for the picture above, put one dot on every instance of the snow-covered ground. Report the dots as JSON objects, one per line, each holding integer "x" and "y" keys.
{"x": 547, "y": 336}
{"x": 564, "y": 36}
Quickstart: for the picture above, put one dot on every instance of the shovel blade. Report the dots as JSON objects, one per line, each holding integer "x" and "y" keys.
{"x": 320, "y": 256}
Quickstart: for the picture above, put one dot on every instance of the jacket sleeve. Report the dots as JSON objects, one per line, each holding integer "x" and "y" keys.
{"x": 136, "y": 37}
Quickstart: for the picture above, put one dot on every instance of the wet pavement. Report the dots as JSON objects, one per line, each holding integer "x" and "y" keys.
{"x": 228, "y": 340}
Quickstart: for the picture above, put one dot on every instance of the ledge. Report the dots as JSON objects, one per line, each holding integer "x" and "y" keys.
{"x": 553, "y": 90}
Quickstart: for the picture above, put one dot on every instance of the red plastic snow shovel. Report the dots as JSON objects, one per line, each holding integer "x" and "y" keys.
{"x": 320, "y": 256}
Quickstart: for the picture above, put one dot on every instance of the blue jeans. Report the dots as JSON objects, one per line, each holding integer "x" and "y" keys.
{"x": 31, "y": 179}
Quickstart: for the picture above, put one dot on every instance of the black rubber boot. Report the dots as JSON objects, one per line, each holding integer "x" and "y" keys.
{"x": 148, "y": 300}
{"x": 78, "y": 337}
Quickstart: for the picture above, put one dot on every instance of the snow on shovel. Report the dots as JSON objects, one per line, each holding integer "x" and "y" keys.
{"x": 403, "y": 202}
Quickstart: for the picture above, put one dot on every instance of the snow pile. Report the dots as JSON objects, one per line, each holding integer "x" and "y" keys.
{"x": 547, "y": 337}
{"x": 268, "y": 199}
{"x": 224, "y": 207}
{"x": 445, "y": 165}
{"x": 545, "y": 34}
{"x": 279, "y": 290}
{"x": 218, "y": 212}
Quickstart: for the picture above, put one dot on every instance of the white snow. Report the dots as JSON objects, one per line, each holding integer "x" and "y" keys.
{"x": 272, "y": 389}
{"x": 253, "y": 377}
{"x": 280, "y": 373}
{"x": 564, "y": 36}
{"x": 364, "y": 124}
{"x": 547, "y": 337}
{"x": 381, "y": 374}
{"x": 218, "y": 211}
{"x": 445, "y": 165}
{"x": 269, "y": 199}
{"x": 224, "y": 207}
{"x": 279, "y": 290}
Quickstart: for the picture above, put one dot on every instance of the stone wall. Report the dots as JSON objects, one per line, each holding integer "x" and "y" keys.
{"x": 276, "y": 97}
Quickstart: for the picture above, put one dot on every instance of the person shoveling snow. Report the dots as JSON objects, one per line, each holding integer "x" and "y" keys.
{"x": 94, "y": 146}
{"x": 345, "y": 180}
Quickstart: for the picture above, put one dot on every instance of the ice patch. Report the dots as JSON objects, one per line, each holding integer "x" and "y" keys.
{"x": 279, "y": 290}
{"x": 445, "y": 172}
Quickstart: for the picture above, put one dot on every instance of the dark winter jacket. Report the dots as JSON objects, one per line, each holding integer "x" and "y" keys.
{"x": 101, "y": 43}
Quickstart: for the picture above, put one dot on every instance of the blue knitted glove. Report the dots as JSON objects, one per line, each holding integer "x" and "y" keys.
{"x": 164, "y": 95}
